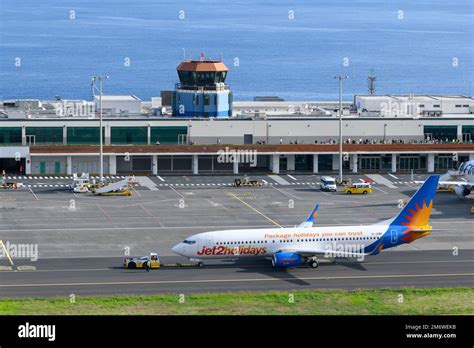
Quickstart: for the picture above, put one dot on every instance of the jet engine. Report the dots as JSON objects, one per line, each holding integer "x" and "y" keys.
{"x": 461, "y": 191}
{"x": 287, "y": 259}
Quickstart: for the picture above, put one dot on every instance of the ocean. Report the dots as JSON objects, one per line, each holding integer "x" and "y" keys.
{"x": 291, "y": 49}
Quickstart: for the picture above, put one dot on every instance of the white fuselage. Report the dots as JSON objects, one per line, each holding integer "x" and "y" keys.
{"x": 266, "y": 242}
{"x": 467, "y": 171}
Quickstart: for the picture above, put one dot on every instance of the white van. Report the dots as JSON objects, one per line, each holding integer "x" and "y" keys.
{"x": 328, "y": 183}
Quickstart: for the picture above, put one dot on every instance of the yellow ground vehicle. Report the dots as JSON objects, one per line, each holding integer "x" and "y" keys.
{"x": 153, "y": 262}
{"x": 246, "y": 183}
{"x": 140, "y": 262}
{"x": 8, "y": 185}
{"x": 125, "y": 192}
{"x": 119, "y": 188}
{"x": 445, "y": 188}
{"x": 358, "y": 188}
{"x": 472, "y": 209}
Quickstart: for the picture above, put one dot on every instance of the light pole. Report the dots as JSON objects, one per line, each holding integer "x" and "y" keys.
{"x": 340, "y": 78}
{"x": 100, "y": 78}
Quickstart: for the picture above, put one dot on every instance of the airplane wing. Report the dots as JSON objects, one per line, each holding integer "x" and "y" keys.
{"x": 327, "y": 253}
{"x": 460, "y": 182}
{"x": 310, "y": 219}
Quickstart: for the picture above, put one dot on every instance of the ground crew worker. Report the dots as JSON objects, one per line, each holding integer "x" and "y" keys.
{"x": 147, "y": 265}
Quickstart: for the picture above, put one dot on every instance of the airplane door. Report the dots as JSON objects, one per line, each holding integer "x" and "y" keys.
{"x": 393, "y": 236}
{"x": 209, "y": 241}
{"x": 206, "y": 241}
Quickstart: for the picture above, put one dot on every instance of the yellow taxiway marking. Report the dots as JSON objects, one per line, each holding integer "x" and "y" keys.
{"x": 138, "y": 193}
{"x": 255, "y": 210}
{"x": 26, "y": 268}
{"x": 238, "y": 280}
{"x": 6, "y": 252}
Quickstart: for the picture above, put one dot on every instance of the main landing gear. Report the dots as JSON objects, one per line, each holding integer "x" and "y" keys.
{"x": 313, "y": 262}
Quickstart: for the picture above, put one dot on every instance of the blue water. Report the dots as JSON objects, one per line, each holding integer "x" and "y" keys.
{"x": 292, "y": 58}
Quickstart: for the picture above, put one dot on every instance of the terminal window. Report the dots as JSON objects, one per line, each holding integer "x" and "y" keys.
{"x": 10, "y": 135}
{"x": 128, "y": 135}
{"x": 441, "y": 132}
{"x": 45, "y": 135}
{"x": 83, "y": 135}
{"x": 167, "y": 134}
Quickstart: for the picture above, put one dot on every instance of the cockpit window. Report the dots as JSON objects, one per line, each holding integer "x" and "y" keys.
{"x": 189, "y": 241}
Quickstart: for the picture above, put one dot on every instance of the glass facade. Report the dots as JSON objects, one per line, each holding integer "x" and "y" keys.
{"x": 468, "y": 134}
{"x": 83, "y": 135}
{"x": 444, "y": 133}
{"x": 369, "y": 163}
{"x": 44, "y": 135}
{"x": 444, "y": 162}
{"x": 408, "y": 162}
{"x": 325, "y": 163}
{"x": 304, "y": 162}
{"x": 128, "y": 135}
{"x": 10, "y": 135}
{"x": 167, "y": 135}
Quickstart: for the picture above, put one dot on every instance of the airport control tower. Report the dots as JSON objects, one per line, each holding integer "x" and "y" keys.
{"x": 201, "y": 91}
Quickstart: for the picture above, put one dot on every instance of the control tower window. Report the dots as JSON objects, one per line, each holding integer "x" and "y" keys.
{"x": 221, "y": 76}
{"x": 187, "y": 78}
{"x": 206, "y": 78}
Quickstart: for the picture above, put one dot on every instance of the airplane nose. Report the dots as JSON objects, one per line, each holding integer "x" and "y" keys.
{"x": 176, "y": 249}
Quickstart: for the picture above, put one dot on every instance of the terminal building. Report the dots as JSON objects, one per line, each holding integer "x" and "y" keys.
{"x": 396, "y": 134}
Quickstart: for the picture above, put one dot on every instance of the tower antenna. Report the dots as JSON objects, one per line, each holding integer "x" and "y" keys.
{"x": 371, "y": 81}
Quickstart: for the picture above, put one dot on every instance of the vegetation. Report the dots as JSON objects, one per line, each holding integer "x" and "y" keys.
{"x": 361, "y": 302}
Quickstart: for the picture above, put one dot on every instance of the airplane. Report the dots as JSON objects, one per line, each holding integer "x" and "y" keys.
{"x": 462, "y": 187}
{"x": 304, "y": 244}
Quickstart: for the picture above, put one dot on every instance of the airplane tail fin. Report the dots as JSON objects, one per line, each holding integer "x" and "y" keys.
{"x": 311, "y": 217}
{"x": 416, "y": 214}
